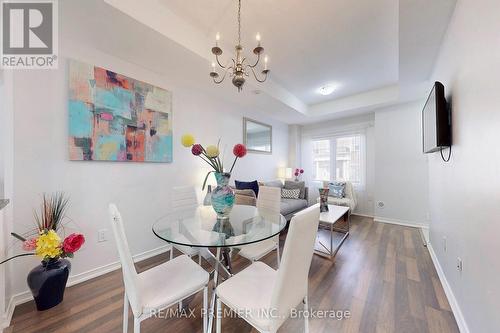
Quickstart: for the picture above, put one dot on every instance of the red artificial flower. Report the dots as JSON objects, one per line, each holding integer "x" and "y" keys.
{"x": 30, "y": 244}
{"x": 73, "y": 243}
{"x": 239, "y": 150}
{"x": 197, "y": 149}
{"x": 301, "y": 170}
{"x": 296, "y": 173}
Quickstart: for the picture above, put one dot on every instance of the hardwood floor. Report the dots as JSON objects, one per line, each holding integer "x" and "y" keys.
{"x": 382, "y": 274}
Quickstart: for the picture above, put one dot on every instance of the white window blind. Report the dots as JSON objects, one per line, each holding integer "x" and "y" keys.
{"x": 321, "y": 160}
{"x": 339, "y": 158}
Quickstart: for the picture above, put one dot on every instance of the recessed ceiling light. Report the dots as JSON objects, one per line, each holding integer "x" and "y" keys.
{"x": 327, "y": 89}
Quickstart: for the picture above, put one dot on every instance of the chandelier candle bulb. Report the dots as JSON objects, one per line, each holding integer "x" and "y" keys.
{"x": 265, "y": 62}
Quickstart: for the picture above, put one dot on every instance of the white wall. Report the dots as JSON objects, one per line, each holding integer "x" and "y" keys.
{"x": 465, "y": 193}
{"x": 6, "y": 180}
{"x": 358, "y": 124}
{"x": 141, "y": 190}
{"x": 294, "y": 146}
{"x": 401, "y": 177}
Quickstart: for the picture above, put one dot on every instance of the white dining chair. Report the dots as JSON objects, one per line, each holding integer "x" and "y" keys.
{"x": 268, "y": 201}
{"x": 184, "y": 198}
{"x": 260, "y": 290}
{"x": 159, "y": 287}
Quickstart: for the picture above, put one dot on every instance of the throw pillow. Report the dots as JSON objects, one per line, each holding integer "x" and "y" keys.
{"x": 289, "y": 184}
{"x": 248, "y": 186}
{"x": 274, "y": 183}
{"x": 290, "y": 194}
{"x": 337, "y": 189}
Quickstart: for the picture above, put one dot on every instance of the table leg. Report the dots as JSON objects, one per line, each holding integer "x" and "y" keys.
{"x": 331, "y": 252}
{"x": 211, "y": 311}
{"x": 227, "y": 259}
{"x": 331, "y": 241}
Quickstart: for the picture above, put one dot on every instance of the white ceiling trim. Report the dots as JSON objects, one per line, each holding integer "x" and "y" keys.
{"x": 370, "y": 98}
{"x": 280, "y": 101}
{"x": 159, "y": 18}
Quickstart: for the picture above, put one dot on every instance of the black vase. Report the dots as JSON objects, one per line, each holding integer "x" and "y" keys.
{"x": 48, "y": 281}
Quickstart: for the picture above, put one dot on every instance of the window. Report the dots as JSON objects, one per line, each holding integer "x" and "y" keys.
{"x": 321, "y": 160}
{"x": 339, "y": 158}
{"x": 348, "y": 159}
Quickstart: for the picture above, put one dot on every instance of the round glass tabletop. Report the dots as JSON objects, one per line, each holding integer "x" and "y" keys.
{"x": 199, "y": 227}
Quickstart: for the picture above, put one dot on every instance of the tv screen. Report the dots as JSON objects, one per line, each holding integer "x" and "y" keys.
{"x": 436, "y": 127}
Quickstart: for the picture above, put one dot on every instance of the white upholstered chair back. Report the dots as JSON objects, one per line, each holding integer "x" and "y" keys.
{"x": 291, "y": 284}
{"x": 269, "y": 198}
{"x": 184, "y": 198}
{"x": 130, "y": 276}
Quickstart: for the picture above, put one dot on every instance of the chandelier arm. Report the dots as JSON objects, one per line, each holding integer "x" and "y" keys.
{"x": 256, "y": 78}
{"x": 256, "y": 62}
{"x": 218, "y": 61}
{"x": 223, "y": 77}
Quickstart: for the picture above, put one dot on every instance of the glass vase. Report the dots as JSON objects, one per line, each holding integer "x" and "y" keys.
{"x": 208, "y": 197}
{"x": 323, "y": 200}
{"x": 222, "y": 195}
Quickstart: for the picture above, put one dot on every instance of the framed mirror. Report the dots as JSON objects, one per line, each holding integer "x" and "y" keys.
{"x": 257, "y": 136}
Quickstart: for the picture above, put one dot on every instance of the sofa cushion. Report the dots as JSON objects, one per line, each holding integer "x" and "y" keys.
{"x": 342, "y": 202}
{"x": 273, "y": 183}
{"x": 248, "y": 186}
{"x": 290, "y": 193}
{"x": 292, "y": 205}
{"x": 293, "y": 185}
{"x": 337, "y": 189}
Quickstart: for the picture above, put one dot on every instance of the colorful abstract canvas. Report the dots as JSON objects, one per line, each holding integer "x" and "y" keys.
{"x": 116, "y": 118}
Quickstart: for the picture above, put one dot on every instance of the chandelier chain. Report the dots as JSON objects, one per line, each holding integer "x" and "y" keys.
{"x": 239, "y": 22}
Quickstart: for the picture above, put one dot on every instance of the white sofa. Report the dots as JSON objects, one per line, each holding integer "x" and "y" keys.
{"x": 348, "y": 200}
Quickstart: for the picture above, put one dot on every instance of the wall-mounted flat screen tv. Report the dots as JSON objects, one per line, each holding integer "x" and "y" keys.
{"x": 436, "y": 124}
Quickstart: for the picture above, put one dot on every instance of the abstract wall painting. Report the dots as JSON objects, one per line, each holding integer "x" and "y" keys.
{"x": 116, "y": 118}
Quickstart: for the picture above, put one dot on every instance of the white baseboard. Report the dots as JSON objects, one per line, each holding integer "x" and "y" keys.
{"x": 405, "y": 223}
{"x": 462, "y": 324}
{"x": 362, "y": 215}
{"x": 26, "y": 296}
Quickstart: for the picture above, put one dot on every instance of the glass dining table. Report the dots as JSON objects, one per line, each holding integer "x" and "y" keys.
{"x": 199, "y": 227}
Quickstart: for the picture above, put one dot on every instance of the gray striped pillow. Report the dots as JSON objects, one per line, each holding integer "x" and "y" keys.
{"x": 290, "y": 193}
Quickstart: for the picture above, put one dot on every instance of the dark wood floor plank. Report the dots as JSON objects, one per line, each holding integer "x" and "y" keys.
{"x": 383, "y": 275}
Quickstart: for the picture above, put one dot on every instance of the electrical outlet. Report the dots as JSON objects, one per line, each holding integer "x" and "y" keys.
{"x": 101, "y": 235}
{"x": 460, "y": 264}
{"x": 445, "y": 247}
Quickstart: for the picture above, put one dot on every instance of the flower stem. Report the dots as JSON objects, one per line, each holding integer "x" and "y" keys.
{"x": 208, "y": 161}
{"x": 19, "y": 255}
{"x": 230, "y": 171}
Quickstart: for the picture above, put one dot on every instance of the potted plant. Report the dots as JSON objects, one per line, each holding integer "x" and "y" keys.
{"x": 48, "y": 280}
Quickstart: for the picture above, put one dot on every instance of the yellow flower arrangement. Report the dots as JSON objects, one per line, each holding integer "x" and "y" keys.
{"x": 212, "y": 151}
{"x": 187, "y": 140}
{"x": 48, "y": 245}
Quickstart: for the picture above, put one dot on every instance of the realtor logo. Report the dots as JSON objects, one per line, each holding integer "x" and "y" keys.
{"x": 29, "y": 34}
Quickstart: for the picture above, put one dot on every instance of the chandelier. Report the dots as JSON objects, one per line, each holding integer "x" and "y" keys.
{"x": 238, "y": 70}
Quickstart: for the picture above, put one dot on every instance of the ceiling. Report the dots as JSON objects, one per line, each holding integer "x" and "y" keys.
{"x": 375, "y": 52}
{"x": 351, "y": 44}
